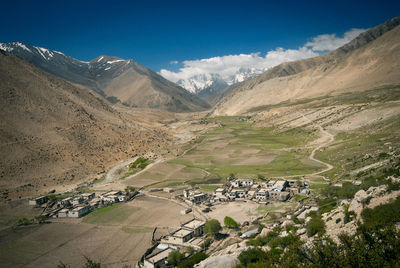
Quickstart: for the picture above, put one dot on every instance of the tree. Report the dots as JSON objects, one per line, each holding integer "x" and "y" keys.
{"x": 91, "y": 264}
{"x": 230, "y": 223}
{"x": 212, "y": 227}
{"x": 175, "y": 257}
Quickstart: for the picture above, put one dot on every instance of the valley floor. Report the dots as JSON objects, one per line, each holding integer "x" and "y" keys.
{"x": 320, "y": 144}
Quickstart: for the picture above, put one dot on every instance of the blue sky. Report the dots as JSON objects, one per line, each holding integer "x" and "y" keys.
{"x": 154, "y": 33}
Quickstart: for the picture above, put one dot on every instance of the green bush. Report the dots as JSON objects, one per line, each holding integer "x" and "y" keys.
{"x": 175, "y": 257}
{"x": 212, "y": 227}
{"x": 190, "y": 262}
{"x": 315, "y": 226}
{"x": 230, "y": 223}
{"x": 383, "y": 215}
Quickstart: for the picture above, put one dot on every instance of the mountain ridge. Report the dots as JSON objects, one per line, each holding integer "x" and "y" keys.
{"x": 100, "y": 72}
{"x": 366, "y": 62}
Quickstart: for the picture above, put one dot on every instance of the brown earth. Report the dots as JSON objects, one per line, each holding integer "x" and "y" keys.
{"x": 54, "y": 135}
{"x": 367, "y": 62}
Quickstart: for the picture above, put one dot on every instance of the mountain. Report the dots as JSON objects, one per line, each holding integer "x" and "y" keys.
{"x": 113, "y": 78}
{"x": 205, "y": 85}
{"x": 367, "y": 62}
{"x": 55, "y": 134}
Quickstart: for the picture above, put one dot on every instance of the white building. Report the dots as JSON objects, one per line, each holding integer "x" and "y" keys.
{"x": 219, "y": 192}
{"x": 242, "y": 183}
{"x": 79, "y": 211}
{"x": 262, "y": 194}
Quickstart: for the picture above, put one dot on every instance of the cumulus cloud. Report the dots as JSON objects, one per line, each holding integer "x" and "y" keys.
{"x": 227, "y": 66}
{"x": 173, "y": 62}
{"x": 328, "y": 42}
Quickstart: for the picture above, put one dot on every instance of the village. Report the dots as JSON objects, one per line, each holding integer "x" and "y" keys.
{"x": 247, "y": 189}
{"x": 190, "y": 234}
{"x": 79, "y": 204}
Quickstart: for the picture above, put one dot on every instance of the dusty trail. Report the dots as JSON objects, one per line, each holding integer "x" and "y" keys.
{"x": 327, "y": 138}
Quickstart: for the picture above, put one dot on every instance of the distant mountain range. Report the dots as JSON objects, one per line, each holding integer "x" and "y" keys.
{"x": 113, "y": 78}
{"x": 369, "y": 61}
{"x": 208, "y": 84}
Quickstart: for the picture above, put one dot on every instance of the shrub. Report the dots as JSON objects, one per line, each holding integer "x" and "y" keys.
{"x": 230, "y": 223}
{"x": 175, "y": 257}
{"x": 315, "y": 226}
{"x": 383, "y": 215}
{"x": 212, "y": 227}
{"x": 253, "y": 255}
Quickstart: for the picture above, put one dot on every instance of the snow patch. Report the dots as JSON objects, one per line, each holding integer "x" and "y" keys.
{"x": 21, "y": 45}
{"x": 43, "y": 51}
{"x": 108, "y": 68}
{"x": 113, "y": 61}
{"x": 5, "y": 47}
{"x": 100, "y": 59}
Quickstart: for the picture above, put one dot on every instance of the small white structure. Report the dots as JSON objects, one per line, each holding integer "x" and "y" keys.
{"x": 88, "y": 196}
{"x": 182, "y": 235}
{"x": 280, "y": 186}
{"x": 168, "y": 190}
{"x": 194, "y": 225}
{"x": 39, "y": 200}
{"x": 237, "y": 193}
{"x": 77, "y": 200}
{"x": 198, "y": 198}
{"x": 262, "y": 194}
{"x": 242, "y": 183}
{"x": 219, "y": 192}
{"x": 79, "y": 211}
{"x": 63, "y": 213}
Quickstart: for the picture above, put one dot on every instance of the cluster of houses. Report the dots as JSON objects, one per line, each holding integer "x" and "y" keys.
{"x": 275, "y": 190}
{"x": 261, "y": 192}
{"x": 187, "y": 235}
{"x": 79, "y": 205}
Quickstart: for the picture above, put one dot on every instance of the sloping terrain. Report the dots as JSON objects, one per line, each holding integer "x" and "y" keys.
{"x": 369, "y": 61}
{"x": 113, "y": 78}
{"x": 53, "y": 133}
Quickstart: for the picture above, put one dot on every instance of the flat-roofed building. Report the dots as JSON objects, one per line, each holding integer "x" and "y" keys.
{"x": 158, "y": 259}
{"x": 195, "y": 225}
{"x": 39, "y": 200}
{"x": 219, "y": 192}
{"x": 279, "y": 186}
{"x": 262, "y": 194}
{"x": 270, "y": 184}
{"x": 242, "y": 183}
{"x": 182, "y": 235}
{"x": 79, "y": 211}
{"x": 88, "y": 196}
{"x": 198, "y": 198}
{"x": 63, "y": 213}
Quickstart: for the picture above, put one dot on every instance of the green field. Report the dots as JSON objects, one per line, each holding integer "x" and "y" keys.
{"x": 114, "y": 214}
{"x": 240, "y": 148}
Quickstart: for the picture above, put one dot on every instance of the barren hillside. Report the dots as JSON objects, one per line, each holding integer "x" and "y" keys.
{"x": 55, "y": 135}
{"x": 369, "y": 61}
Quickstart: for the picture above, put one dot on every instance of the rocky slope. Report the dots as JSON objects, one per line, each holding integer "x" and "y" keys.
{"x": 116, "y": 79}
{"x": 369, "y": 61}
{"x": 54, "y": 134}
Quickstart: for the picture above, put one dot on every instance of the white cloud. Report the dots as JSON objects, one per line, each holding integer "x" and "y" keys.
{"x": 328, "y": 42}
{"x": 173, "y": 62}
{"x": 227, "y": 66}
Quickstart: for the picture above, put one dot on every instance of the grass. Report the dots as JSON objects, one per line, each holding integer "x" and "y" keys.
{"x": 137, "y": 229}
{"x": 137, "y": 165}
{"x": 110, "y": 215}
{"x": 208, "y": 187}
{"x": 102, "y": 178}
